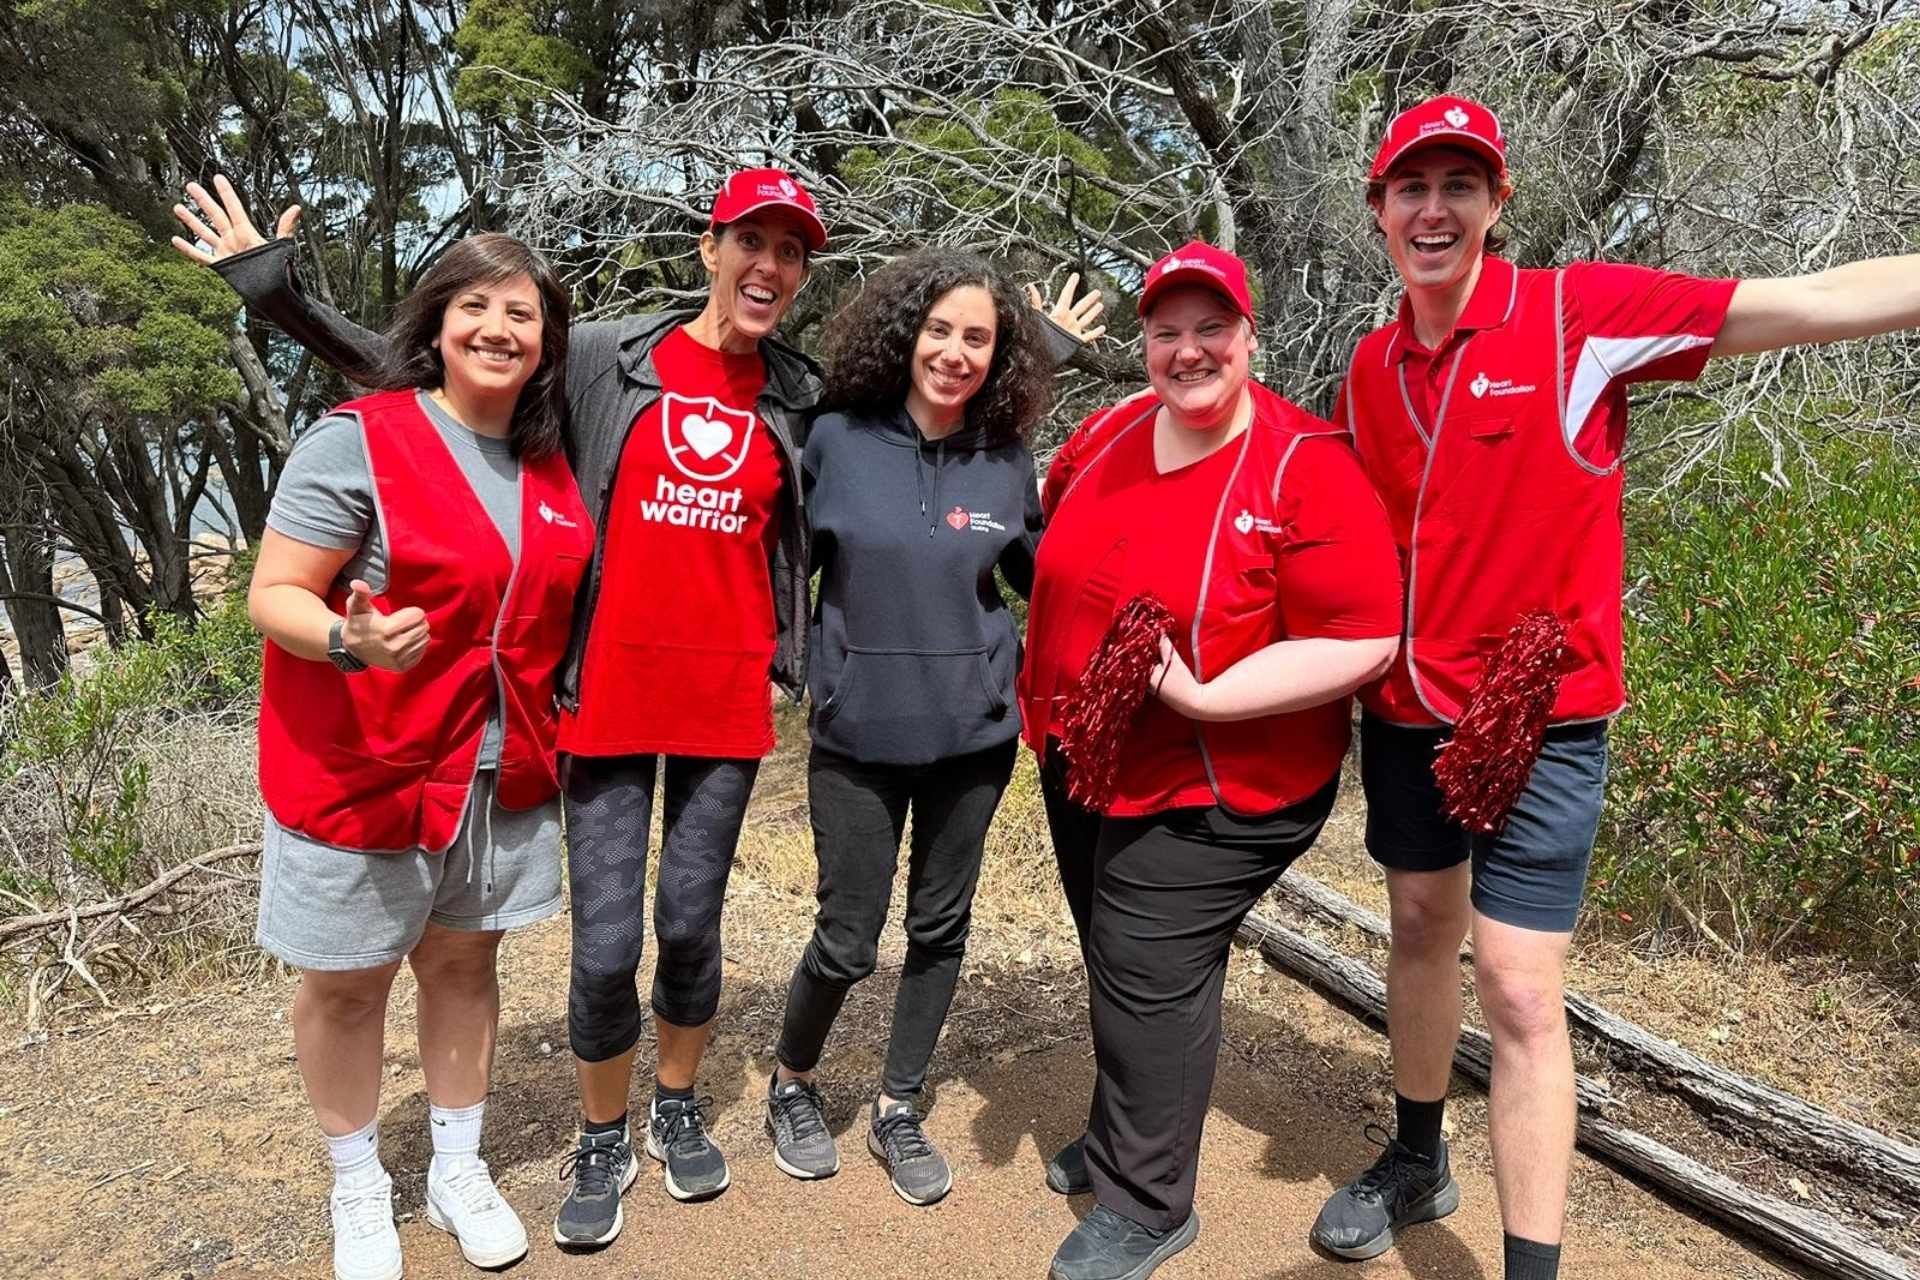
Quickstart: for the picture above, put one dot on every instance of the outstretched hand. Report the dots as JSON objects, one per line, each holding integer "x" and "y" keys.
{"x": 231, "y": 230}
{"x": 1173, "y": 683}
{"x": 391, "y": 641}
{"x": 1077, "y": 318}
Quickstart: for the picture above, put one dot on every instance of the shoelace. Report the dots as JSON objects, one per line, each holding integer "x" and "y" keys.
{"x": 368, "y": 1211}
{"x": 591, "y": 1168}
{"x": 902, "y": 1136}
{"x": 800, "y": 1110}
{"x": 1384, "y": 1170}
{"x": 687, "y": 1128}
{"x": 473, "y": 1185}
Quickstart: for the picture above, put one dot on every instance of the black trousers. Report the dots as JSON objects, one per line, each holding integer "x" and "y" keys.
{"x": 1168, "y": 893}
{"x": 859, "y": 812}
{"x": 1075, "y": 833}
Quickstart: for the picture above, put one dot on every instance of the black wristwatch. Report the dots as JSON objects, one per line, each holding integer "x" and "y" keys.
{"x": 337, "y": 649}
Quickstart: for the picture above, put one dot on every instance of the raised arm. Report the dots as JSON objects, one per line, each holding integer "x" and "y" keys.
{"x": 262, "y": 272}
{"x": 1070, "y": 323}
{"x": 1856, "y": 300}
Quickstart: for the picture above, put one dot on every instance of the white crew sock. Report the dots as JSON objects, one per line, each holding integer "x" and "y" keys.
{"x": 356, "y": 1156}
{"x": 456, "y": 1133}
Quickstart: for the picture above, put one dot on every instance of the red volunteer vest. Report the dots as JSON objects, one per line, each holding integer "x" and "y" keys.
{"x": 1493, "y": 509}
{"x": 1226, "y": 608}
{"x": 384, "y": 761}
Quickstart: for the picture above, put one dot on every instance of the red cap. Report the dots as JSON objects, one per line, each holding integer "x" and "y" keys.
{"x": 1449, "y": 121}
{"x": 1197, "y": 262}
{"x": 751, "y": 190}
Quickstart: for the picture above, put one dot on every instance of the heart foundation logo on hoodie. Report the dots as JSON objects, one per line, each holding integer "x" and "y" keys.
{"x": 958, "y": 518}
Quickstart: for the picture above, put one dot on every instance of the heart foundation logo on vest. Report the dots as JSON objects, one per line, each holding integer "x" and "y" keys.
{"x": 1479, "y": 384}
{"x": 1244, "y": 522}
{"x": 705, "y": 439}
{"x": 958, "y": 518}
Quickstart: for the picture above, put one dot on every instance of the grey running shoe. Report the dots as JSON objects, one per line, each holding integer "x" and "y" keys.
{"x": 1067, "y": 1171}
{"x": 602, "y": 1168}
{"x": 1107, "y": 1246}
{"x": 918, "y": 1170}
{"x": 1360, "y": 1219}
{"x": 802, "y": 1147}
{"x": 677, "y": 1138}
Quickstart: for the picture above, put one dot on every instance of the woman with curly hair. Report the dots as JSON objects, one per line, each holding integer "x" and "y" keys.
{"x": 919, "y": 486}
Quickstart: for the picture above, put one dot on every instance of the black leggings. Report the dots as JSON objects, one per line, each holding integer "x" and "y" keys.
{"x": 859, "y": 812}
{"x": 609, "y": 806}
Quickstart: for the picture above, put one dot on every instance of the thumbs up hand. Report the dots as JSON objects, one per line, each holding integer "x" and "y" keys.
{"x": 391, "y": 641}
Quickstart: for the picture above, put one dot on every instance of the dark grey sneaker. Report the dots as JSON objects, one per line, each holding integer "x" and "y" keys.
{"x": 1106, "y": 1246}
{"x": 1360, "y": 1219}
{"x": 1067, "y": 1171}
{"x": 602, "y": 1168}
{"x": 918, "y": 1170}
{"x": 677, "y": 1138}
{"x": 802, "y": 1146}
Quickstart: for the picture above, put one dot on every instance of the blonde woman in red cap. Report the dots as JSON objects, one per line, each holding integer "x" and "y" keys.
{"x": 685, "y": 430}
{"x": 1251, "y": 521}
{"x": 1490, "y": 416}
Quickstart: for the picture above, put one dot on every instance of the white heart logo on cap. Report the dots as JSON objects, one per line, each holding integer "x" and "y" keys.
{"x": 787, "y": 188}
{"x": 1456, "y": 117}
{"x": 706, "y": 436}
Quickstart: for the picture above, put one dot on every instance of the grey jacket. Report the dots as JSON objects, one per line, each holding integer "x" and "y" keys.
{"x": 611, "y": 379}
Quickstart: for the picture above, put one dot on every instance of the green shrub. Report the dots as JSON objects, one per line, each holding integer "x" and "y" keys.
{"x": 75, "y": 753}
{"x": 1766, "y": 776}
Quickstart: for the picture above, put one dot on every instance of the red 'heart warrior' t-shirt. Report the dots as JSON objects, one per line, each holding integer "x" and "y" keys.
{"x": 679, "y": 650}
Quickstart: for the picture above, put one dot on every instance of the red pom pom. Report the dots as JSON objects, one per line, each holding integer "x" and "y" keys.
{"x": 1484, "y": 767}
{"x": 1101, "y": 707}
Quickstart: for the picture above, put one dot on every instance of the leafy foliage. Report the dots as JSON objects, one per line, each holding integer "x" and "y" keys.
{"x": 1768, "y": 771}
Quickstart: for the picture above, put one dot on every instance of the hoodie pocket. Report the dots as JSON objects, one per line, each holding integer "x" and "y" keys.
{"x": 894, "y": 691}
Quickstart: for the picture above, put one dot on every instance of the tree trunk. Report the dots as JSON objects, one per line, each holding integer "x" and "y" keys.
{"x": 26, "y": 572}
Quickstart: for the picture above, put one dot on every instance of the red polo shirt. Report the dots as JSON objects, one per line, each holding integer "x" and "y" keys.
{"x": 1497, "y": 455}
{"x": 1275, "y": 536}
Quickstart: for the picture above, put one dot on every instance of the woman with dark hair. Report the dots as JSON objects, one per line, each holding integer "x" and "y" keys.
{"x": 419, "y": 562}
{"x": 919, "y": 486}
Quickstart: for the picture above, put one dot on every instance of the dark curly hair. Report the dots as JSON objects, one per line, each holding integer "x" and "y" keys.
{"x": 870, "y": 343}
{"x": 413, "y": 362}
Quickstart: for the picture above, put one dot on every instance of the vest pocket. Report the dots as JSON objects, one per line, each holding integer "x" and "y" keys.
{"x": 1490, "y": 428}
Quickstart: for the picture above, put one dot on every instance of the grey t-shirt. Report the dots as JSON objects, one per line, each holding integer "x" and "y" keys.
{"x": 325, "y": 499}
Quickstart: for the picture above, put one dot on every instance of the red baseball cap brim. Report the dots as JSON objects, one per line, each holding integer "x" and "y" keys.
{"x": 758, "y": 191}
{"x": 1202, "y": 264}
{"x": 1461, "y": 138}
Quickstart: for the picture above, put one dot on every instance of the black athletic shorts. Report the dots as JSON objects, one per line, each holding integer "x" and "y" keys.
{"x": 1533, "y": 874}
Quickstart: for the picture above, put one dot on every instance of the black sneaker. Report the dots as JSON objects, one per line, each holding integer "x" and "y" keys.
{"x": 1067, "y": 1171}
{"x": 677, "y": 1138}
{"x": 919, "y": 1172}
{"x": 602, "y": 1168}
{"x": 1360, "y": 1219}
{"x": 1107, "y": 1246}
{"x": 802, "y": 1146}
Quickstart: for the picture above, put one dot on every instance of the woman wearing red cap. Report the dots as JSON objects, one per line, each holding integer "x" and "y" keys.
{"x": 685, "y": 431}
{"x": 1490, "y": 416}
{"x": 1251, "y": 521}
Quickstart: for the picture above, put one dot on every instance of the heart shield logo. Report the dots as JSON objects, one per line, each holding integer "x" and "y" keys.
{"x": 958, "y": 518}
{"x": 1479, "y": 385}
{"x": 704, "y": 438}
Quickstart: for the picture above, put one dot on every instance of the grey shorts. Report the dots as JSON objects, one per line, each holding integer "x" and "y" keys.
{"x": 327, "y": 908}
{"x": 1533, "y": 873}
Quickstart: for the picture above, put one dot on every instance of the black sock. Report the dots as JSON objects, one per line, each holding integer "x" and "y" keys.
{"x": 616, "y": 1125}
{"x": 1527, "y": 1260}
{"x": 1417, "y": 1125}
{"x": 661, "y": 1093}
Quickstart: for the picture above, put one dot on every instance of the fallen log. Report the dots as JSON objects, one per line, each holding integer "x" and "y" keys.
{"x": 1805, "y": 1235}
{"x": 14, "y": 926}
{"x": 1785, "y": 1124}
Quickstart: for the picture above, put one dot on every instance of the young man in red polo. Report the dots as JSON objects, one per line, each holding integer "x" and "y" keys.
{"x": 1491, "y": 416}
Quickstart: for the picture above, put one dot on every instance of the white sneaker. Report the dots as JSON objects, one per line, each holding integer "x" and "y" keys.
{"x": 464, "y": 1203}
{"x": 365, "y": 1244}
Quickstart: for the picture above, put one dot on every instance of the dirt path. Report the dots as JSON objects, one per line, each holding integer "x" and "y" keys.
{"x": 173, "y": 1141}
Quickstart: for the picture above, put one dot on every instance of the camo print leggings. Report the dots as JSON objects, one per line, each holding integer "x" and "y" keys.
{"x": 609, "y": 806}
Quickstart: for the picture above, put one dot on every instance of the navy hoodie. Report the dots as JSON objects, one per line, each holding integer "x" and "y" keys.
{"x": 913, "y": 649}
